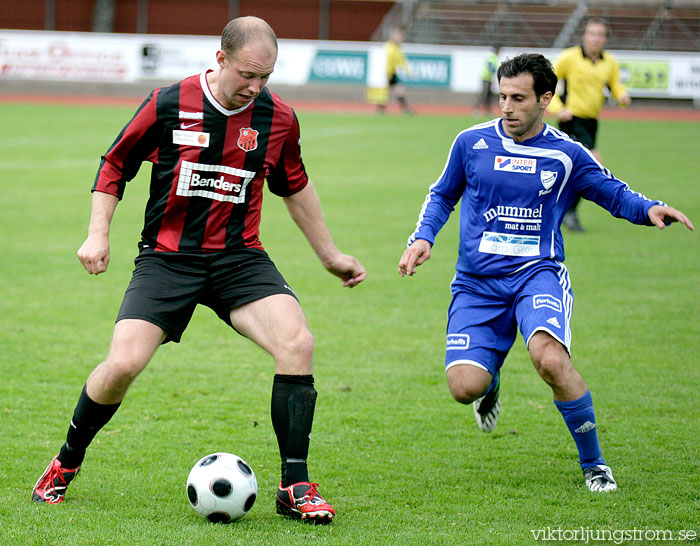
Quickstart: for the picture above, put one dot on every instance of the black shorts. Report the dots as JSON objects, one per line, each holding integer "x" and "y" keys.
{"x": 582, "y": 130}
{"x": 166, "y": 287}
{"x": 394, "y": 80}
{"x": 486, "y": 94}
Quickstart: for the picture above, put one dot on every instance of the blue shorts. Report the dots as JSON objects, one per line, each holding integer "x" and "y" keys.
{"x": 485, "y": 313}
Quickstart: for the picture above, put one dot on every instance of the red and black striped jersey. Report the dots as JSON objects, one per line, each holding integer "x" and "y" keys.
{"x": 209, "y": 166}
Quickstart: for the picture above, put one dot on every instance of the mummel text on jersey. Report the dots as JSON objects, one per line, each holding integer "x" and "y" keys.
{"x": 209, "y": 166}
{"x": 514, "y": 196}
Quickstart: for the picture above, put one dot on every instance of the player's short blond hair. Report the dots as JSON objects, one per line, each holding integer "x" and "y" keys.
{"x": 242, "y": 30}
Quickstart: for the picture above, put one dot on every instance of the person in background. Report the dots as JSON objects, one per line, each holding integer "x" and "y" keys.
{"x": 488, "y": 72}
{"x": 395, "y": 62}
{"x": 584, "y": 72}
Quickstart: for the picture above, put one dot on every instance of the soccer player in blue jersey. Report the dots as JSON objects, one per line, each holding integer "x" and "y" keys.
{"x": 517, "y": 177}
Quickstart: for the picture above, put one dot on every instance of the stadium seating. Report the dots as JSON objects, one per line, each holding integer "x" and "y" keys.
{"x": 671, "y": 25}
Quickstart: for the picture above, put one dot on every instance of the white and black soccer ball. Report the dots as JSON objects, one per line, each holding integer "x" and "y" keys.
{"x": 222, "y": 487}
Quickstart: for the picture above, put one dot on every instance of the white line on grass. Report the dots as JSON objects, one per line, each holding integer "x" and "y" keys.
{"x": 52, "y": 164}
{"x": 344, "y": 131}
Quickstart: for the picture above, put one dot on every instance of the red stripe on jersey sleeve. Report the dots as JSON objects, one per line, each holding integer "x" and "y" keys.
{"x": 288, "y": 176}
{"x": 122, "y": 161}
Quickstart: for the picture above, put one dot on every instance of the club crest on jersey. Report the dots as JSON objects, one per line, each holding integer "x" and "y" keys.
{"x": 524, "y": 165}
{"x": 548, "y": 178}
{"x": 248, "y": 139}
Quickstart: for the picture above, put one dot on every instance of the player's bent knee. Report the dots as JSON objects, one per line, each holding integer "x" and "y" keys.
{"x": 467, "y": 383}
{"x": 124, "y": 370}
{"x": 303, "y": 343}
{"x": 553, "y": 367}
{"x": 550, "y": 358}
{"x": 465, "y": 394}
{"x": 294, "y": 354}
{"x": 126, "y": 361}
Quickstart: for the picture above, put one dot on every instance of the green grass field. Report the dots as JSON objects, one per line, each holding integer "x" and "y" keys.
{"x": 400, "y": 461}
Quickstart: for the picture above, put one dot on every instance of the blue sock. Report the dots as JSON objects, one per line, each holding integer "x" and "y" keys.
{"x": 580, "y": 419}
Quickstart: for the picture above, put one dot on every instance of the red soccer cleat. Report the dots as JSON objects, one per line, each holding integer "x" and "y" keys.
{"x": 53, "y": 483}
{"x": 310, "y": 506}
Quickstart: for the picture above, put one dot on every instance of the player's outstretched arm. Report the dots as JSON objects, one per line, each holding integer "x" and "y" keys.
{"x": 413, "y": 256}
{"x": 305, "y": 209}
{"x": 662, "y": 215}
{"x": 94, "y": 252}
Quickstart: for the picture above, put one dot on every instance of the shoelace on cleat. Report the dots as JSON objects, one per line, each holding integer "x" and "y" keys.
{"x": 311, "y": 493}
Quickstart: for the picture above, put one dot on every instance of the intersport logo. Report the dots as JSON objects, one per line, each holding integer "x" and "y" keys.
{"x": 524, "y": 165}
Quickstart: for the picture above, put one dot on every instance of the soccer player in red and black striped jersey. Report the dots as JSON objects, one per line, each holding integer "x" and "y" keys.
{"x": 213, "y": 140}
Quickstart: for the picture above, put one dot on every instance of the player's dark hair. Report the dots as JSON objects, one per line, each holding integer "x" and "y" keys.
{"x": 238, "y": 32}
{"x": 532, "y": 63}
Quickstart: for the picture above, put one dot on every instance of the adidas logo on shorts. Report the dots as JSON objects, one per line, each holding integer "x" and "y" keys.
{"x": 554, "y": 322}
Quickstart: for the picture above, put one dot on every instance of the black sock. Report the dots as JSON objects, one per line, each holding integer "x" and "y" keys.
{"x": 88, "y": 418}
{"x": 293, "y": 404}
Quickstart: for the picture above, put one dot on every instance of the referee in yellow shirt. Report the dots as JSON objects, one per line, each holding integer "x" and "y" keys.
{"x": 585, "y": 71}
{"x": 395, "y": 60}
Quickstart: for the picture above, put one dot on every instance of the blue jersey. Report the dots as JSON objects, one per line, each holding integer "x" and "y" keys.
{"x": 514, "y": 197}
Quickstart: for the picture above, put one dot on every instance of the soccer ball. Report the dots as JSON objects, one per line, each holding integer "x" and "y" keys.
{"x": 222, "y": 487}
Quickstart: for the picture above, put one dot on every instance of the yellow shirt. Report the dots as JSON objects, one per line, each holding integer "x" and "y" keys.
{"x": 585, "y": 81}
{"x": 394, "y": 59}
